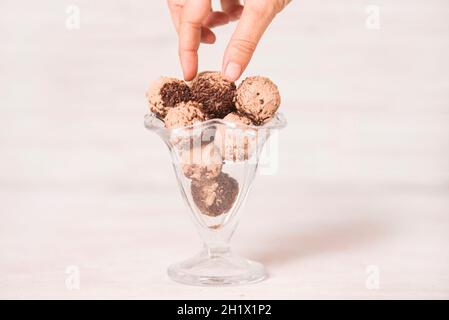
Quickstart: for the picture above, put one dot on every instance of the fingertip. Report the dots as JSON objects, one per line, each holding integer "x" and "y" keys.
{"x": 207, "y": 36}
{"x": 232, "y": 71}
{"x": 189, "y": 62}
{"x": 188, "y": 75}
{"x": 189, "y": 72}
{"x": 192, "y": 15}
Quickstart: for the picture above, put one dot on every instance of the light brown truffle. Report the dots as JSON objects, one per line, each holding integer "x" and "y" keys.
{"x": 201, "y": 162}
{"x": 184, "y": 114}
{"x": 236, "y": 144}
{"x": 238, "y": 118}
{"x": 215, "y": 197}
{"x": 258, "y": 98}
{"x": 165, "y": 93}
{"x": 214, "y": 93}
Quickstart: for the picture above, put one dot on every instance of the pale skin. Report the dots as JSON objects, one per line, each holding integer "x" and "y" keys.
{"x": 194, "y": 19}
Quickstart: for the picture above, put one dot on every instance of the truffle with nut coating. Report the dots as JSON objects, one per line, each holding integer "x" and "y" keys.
{"x": 216, "y": 196}
{"x": 184, "y": 114}
{"x": 202, "y": 161}
{"x": 258, "y": 98}
{"x": 236, "y": 143}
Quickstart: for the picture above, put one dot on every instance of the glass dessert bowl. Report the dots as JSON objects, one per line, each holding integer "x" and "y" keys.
{"x": 215, "y": 163}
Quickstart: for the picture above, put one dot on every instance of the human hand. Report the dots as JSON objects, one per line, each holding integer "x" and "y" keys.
{"x": 194, "y": 19}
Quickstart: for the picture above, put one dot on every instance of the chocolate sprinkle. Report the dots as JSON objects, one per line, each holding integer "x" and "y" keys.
{"x": 214, "y": 93}
{"x": 174, "y": 92}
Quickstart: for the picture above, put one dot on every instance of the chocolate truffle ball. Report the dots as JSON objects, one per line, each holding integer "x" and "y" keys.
{"x": 236, "y": 144}
{"x": 203, "y": 161}
{"x": 258, "y": 98}
{"x": 215, "y": 93}
{"x": 238, "y": 119}
{"x": 165, "y": 93}
{"x": 215, "y": 197}
{"x": 184, "y": 114}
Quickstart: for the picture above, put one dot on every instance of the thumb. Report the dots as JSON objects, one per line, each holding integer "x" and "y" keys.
{"x": 256, "y": 17}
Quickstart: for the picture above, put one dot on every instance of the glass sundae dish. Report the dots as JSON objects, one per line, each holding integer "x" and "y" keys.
{"x": 215, "y": 162}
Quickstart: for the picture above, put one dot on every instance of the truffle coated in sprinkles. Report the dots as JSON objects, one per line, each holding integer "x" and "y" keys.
{"x": 173, "y": 93}
{"x": 215, "y": 93}
{"x": 165, "y": 93}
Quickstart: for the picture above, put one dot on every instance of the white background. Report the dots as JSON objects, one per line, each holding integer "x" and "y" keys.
{"x": 364, "y": 162}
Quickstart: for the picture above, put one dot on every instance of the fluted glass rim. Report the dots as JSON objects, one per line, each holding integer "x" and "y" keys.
{"x": 152, "y": 122}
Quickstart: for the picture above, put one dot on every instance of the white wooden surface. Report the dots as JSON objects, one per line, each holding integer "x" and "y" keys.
{"x": 364, "y": 163}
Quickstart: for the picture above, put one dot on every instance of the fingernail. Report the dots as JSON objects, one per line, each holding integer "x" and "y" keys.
{"x": 232, "y": 71}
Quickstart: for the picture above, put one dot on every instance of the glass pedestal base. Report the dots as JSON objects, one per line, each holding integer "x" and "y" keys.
{"x": 224, "y": 269}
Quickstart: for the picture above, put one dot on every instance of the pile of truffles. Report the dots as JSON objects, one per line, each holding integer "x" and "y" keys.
{"x": 179, "y": 104}
{"x": 209, "y": 96}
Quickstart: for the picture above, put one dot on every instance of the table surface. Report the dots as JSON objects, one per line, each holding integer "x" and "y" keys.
{"x": 361, "y": 196}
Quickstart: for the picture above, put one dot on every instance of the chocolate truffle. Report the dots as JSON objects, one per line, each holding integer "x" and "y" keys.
{"x": 201, "y": 162}
{"x": 165, "y": 93}
{"x": 215, "y": 93}
{"x": 236, "y": 144}
{"x": 215, "y": 197}
{"x": 184, "y": 114}
{"x": 258, "y": 98}
{"x": 239, "y": 119}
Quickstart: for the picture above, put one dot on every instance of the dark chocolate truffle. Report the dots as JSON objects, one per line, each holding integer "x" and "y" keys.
{"x": 214, "y": 93}
{"x": 216, "y": 196}
{"x": 165, "y": 93}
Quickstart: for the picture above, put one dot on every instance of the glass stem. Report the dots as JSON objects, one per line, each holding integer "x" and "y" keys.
{"x": 215, "y": 252}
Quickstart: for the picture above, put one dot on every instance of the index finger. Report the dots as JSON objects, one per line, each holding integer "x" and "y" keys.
{"x": 193, "y": 14}
{"x": 256, "y": 17}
